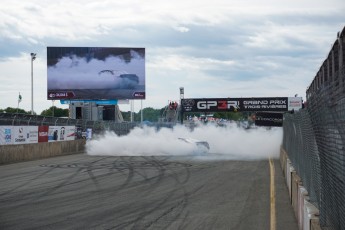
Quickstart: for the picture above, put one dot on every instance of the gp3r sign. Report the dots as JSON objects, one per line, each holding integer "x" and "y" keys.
{"x": 276, "y": 104}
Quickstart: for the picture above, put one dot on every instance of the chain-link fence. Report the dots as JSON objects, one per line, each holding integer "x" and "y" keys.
{"x": 314, "y": 139}
{"x": 97, "y": 127}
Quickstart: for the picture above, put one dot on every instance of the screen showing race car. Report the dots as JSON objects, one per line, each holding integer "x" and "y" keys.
{"x": 96, "y": 73}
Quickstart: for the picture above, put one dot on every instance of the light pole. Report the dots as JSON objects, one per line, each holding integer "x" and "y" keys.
{"x": 181, "y": 97}
{"x": 33, "y": 57}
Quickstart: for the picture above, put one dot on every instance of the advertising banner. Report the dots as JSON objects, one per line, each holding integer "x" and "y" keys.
{"x": 95, "y": 73}
{"x": 6, "y": 135}
{"x": 61, "y": 133}
{"x": 295, "y": 103}
{"x": 272, "y": 104}
{"x": 19, "y": 134}
{"x": 33, "y": 134}
{"x": 98, "y": 102}
{"x": 88, "y": 134}
{"x": 24, "y": 134}
{"x": 269, "y": 119}
{"x": 43, "y": 133}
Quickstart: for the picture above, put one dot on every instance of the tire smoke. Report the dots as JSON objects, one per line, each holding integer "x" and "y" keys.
{"x": 229, "y": 142}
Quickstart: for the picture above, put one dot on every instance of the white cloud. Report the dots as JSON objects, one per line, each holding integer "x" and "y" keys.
{"x": 214, "y": 49}
{"x": 182, "y": 29}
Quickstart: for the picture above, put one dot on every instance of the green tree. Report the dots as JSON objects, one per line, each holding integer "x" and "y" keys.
{"x": 126, "y": 116}
{"x": 54, "y": 111}
{"x": 149, "y": 114}
{"x": 235, "y": 116}
{"x": 13, "y": 110}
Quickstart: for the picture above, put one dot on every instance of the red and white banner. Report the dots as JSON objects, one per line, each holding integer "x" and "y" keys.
{"x": 43, "y": 133}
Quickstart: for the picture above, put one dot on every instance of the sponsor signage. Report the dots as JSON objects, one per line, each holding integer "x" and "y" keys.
{"x": 61, "y": 133}
{"x": 35, "y": 134}
{"x": 139, "y": 95}
{"x": 24, "y": 134}
{"x": 98, "y": 102}
{"x": 52, "y": 95}
{"x": 240, "y": 104}
{"x": 43, "y": 133}
{"x": 294, "y": 103}
{"x": 88, "y": 134}
{"x": 269, "y": 119}
{"x": 18, "y": 134}
{"x": 6, "y": 135}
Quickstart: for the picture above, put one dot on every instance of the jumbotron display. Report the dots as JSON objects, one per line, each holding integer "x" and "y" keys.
{"x": 96, "y": 73}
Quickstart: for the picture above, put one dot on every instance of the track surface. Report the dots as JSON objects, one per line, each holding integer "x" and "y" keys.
{"x": 89, "y": 192}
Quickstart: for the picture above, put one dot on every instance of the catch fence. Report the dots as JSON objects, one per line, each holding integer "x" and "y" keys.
{"x": 97, "y": 127}
{"x": 314, "y": 139}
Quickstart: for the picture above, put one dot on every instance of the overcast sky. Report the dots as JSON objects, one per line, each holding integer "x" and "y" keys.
{"x": 219, "y": 48}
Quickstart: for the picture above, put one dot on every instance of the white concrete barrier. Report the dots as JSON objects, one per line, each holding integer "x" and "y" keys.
{"x": 306, "y": 213}
{"x": 289, "y": 170}
{"x": 310, "y": 213}
{"x": 302, "y": 196}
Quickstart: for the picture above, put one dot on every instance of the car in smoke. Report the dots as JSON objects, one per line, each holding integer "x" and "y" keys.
{"x": 202, "y": 146}
{"x": 124, "y": 79}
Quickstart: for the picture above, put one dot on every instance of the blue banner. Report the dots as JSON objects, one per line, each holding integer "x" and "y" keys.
{"x": 98, "y": 102}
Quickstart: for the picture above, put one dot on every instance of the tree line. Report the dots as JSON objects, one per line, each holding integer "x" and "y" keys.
{"x": 149, "y": 114}
{"x": 53, "y": 111}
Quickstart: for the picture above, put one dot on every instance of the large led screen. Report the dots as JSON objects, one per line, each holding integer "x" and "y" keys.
{"x": 95, "y": 73}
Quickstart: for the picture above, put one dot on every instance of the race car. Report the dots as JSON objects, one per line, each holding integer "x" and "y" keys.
{"x": 202, "y": 146}
{"x": 123, "y": 79}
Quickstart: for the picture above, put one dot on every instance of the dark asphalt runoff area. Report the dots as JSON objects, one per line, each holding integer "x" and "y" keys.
{"x": 148, "y": 192}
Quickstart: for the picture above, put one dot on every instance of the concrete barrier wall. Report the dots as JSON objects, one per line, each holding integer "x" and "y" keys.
{"x": 283, "y": 159}
{"x": 302, "y": 196}
{"x": 288, "y": 172}
{"x": 295, "y": 183}
{"x": 306, "y": 213}
{"x": 26, "y": 152}
{"x": 314, "y": 224}
{"x": 311, "y": 213}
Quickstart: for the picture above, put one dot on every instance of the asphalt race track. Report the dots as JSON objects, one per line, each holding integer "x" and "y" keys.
{"x": 94, "y": 192}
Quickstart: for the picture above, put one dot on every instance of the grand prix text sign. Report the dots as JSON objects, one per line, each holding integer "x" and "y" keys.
{"x": 276, "y": 104}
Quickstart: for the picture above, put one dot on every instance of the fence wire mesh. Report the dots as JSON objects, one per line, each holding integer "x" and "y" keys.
{"x": 98, "y": 127}
{"x": 314, "y": 138}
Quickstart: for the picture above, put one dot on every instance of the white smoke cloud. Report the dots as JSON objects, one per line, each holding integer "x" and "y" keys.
{"x": 229, "y": 142}
{"x": 72, "y": 72}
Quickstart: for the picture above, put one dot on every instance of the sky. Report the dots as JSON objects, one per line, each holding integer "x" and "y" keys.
{"x": 214, "y": 49}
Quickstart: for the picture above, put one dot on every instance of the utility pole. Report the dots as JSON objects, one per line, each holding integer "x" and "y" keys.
{"x": 33, "y": 57}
